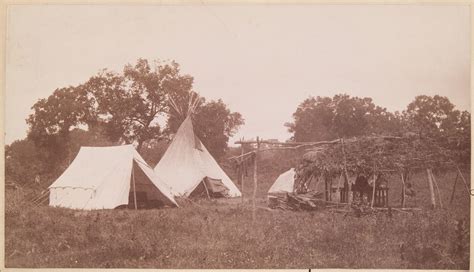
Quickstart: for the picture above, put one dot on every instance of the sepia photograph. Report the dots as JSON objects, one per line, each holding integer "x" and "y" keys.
{"x": 207, "y": 135}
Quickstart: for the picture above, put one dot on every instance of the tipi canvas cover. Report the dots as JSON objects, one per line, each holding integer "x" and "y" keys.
{"x": 187, "y": 165}
{"x": 284, "y": 183}
{"x": 107, "y": 177}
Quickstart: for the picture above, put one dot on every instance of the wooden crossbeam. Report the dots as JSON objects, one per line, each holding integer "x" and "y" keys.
{"x": 288, "y": 143}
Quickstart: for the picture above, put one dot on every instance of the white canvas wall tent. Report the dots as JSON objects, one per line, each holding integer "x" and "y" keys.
{"x": 190, "y": 170}
{"x": 108, "y": 177}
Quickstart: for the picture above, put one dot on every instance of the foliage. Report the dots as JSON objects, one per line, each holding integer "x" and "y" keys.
{"x": 129, "y": 105}
{"x": 325, "y": 118}
{"x": 434, "y": 115}
{"x": 371, "y": 155}
{"x": 56, "y": 115}
{"x": 26, "y": 163}
{"x": 53, "y": 119}
{"x": 153, "y": 150}
{"x": 122, "y": 108}
{"x": 23, "y": 162}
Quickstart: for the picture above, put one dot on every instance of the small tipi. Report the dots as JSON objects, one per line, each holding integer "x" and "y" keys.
{"x": 284, "y": 183}
{"x": 108, "y": 177}
{"x": 189, "y": 169}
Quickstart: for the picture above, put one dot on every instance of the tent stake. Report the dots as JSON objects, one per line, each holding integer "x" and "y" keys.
{"x": 134, "y": 191}
{"x": 454, "y": 188}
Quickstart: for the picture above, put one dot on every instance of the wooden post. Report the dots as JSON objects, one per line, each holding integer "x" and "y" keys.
{"x": 454, "y": 188}
{"x": 430, "y": 183}
{"x": 134, "y": 189}
{"x": 437, "y": 189}
{"x": 255, "y": 179}
{"x": 346, "y": 176}
{"x": 403, "y": 190}
{"x": 373, "y": 194}
{"x": 373, "y": 189}
{"x": 242, "y": 168}
{"x": 464, "y": 180}
{"x": 326, "y": 189}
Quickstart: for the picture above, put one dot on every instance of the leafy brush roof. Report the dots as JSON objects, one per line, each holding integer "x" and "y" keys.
{"x": 382, "y": 153}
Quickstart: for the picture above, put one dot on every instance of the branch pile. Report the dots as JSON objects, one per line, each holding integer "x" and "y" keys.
{"x": 297, "y": 202}
{"x": 314, "y": 202}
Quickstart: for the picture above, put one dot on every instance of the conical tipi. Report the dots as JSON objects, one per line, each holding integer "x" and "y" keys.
{"x": 189, "y": 169}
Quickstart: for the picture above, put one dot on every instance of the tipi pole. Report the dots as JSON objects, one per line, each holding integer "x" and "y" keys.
{"x": 454, "y": 188}
{"x": 430, "y": 183}
{"x": 242, "y": 167}
{"x": 255, "y": 179}
{"x": 134, "y": 189}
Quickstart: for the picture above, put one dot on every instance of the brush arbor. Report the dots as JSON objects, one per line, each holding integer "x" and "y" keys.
{"x": 362, "y": 165}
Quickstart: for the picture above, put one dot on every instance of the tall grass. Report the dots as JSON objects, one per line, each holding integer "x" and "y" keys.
{"x": 221, "y": 234}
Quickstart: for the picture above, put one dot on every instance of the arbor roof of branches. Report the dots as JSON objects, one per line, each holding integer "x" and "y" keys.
{"x": 363, "y": 155}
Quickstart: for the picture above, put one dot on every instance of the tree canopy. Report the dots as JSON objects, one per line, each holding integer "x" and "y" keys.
{"x": 122, "y": 107}
{"x": 325, "y": 118}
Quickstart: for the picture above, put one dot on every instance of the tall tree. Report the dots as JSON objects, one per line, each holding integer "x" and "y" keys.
{"x": 130, "y": 104}
{"x": 325, "y": 118}
{"x": 215, "y": 124}
{"x": 23, "y": 162}
{"x": 57, "y": 114}
{"x": 432, "y": 115}
{"x": 312, "y": 120}
{"x": 54, "y": 118}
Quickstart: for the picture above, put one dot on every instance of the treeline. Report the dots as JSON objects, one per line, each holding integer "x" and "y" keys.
{"x": 115, "y": 108}
{"x": 325, "y": 118}
{"x": 342, "y": 116}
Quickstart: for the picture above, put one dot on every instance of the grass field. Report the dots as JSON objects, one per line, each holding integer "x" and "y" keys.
{"x": 221, "y": 234}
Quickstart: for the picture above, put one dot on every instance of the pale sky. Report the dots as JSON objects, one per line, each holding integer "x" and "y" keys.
{"x": 262, "y": 60}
